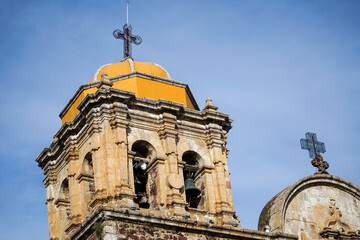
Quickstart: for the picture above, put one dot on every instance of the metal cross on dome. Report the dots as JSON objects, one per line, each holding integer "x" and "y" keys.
{"x": 126, "y": 35}
{"x": 315, "y": 148}
{"x": 312, "y": 144}
{"x": 128, "y": 39}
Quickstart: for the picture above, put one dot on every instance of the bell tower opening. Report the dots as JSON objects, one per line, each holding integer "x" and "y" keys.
{"x": 88, "y": 165}
{"x": 191, "y": 167}
{"x": 88, "y": 172}
{"x": 144, "y": 151}
{"x": 64, "y": 191}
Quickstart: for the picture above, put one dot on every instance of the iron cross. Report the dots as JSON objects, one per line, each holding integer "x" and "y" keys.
{"x": 311, "y": 143}
{"x": 128, "y": 39}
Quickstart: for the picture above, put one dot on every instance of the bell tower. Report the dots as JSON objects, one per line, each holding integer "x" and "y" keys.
{"x": 136, "y": 153}
{"x": 136, "y": 158}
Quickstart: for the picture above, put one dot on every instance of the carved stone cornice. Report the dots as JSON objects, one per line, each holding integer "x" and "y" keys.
{"x": 119, "y": 116}
{"x": 217, "y": 117}
{"x": 71, "y": 155}
{"x": 327, "y": 233}
{"x": 167, "y": 126}
{"x": 72, "y": 227}
{"x": 106, "y": 96}
{"x": 114, "y": 103}
{"x": 214, "y": 136}
{"x": 85, "y": 177}
{"x": 99, "y": 198}
{"x": 203, "y": 170}
{"x": 155, "y": 161}
{"x": 60, "y": 202}
{"x": 50, "y": 177}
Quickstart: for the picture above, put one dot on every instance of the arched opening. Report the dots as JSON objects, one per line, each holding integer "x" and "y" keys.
{"x": 64, "y": 190}
{"x": 144, "y": 151}
{"x": 88, "y": 165}
{"x": 191, "y": 167}
{"x": 88, "y": 172}
{"x": 63, "y": 205}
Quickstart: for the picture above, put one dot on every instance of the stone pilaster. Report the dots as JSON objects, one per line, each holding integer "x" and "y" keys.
{"x": 99, "y": 174}
{"x": 52, "y": 218}
{"x": 75, "y": 192}
{"x": 123, "y": 159}
{"x": 216, "y": 146}
{"x": 157, "y": 182}
{"x": 109, "y": 160}
{"x": 206, "y": 174}
{"x": 168, "y": 135}
{"x": 126, "y": 187}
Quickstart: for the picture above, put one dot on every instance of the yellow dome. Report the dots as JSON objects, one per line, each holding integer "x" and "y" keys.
{"x": 129, "y": 66}
{"x": 146, "y": 80}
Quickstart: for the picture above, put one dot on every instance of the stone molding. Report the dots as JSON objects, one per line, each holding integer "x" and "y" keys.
{"x": 331, "y": 234}
{"x": 95, "y": 105}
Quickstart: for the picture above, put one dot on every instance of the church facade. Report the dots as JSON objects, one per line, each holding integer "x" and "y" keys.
{"x": 136, "y": 158}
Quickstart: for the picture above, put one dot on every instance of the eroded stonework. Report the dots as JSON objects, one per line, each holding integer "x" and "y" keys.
{"x": 314, "y": 207}
{"x": 127, "y": 155}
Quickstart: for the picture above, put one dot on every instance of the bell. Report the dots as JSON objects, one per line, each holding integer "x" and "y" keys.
{"x": 143, "y": 203}
{"x": 190, "y": 188}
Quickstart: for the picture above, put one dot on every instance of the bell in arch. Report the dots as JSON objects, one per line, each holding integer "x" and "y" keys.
{"x": 190, "y": 188}
{"x": 144, "y": 202}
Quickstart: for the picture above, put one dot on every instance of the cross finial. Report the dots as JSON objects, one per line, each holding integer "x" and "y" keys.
{"x": 126, "y": 36}
{"x": 315, "y": 147}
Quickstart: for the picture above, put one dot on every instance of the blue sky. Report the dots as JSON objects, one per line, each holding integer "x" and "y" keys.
{"x": 279, "y": 68}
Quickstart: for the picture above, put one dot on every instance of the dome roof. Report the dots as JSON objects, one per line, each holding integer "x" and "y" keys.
{"x": 129, "y": 66}
{"x": 303, "y": 208}
{"x": 145, "y": 80}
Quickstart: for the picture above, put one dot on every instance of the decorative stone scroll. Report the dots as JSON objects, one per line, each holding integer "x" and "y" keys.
{"x": 320, "y": 164}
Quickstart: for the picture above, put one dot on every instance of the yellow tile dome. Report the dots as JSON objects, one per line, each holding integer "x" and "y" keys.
{"x": 129, "y": 66}
{"x": 146, "y": 80}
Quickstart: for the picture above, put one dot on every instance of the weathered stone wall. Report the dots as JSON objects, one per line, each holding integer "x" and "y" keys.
{"x": 314, "y": 205}
{"x": 319, "y": 207}
{"x": 117, "y": 226}
{"x": 146, "y": 232}
{"x": 110, "y": 124}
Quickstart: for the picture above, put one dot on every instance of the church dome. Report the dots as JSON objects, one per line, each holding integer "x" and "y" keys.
{"x": 145, "y": 80}
{"x": 129, "y": 66}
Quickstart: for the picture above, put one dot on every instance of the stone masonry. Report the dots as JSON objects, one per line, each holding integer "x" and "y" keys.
{"x": 92, "y": 164}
